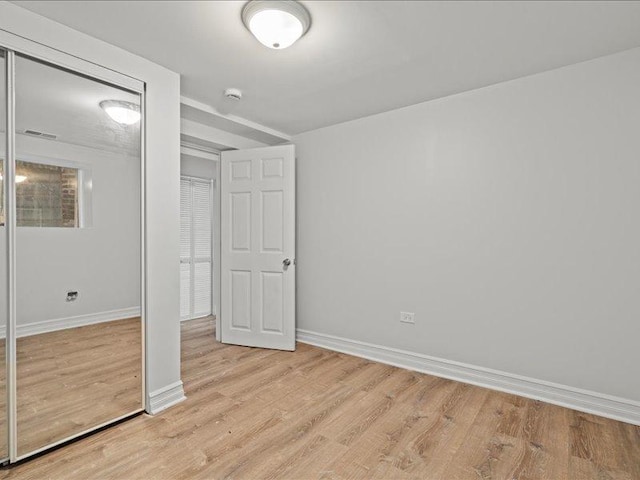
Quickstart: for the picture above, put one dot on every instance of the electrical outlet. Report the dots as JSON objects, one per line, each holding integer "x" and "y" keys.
{"x": 407, "y": 317}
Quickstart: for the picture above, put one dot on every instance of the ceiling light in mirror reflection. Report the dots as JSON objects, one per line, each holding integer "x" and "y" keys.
{"x": 124, "y": 113}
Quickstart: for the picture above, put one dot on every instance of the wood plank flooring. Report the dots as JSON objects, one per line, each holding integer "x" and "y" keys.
{"x": 74, "y": 379}
{"x": 317, "y": 414}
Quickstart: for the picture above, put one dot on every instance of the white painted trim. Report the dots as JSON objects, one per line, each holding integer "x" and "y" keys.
{"x": 217, "y": 254}
{"x": 46, "y": 326}
{"x": 10, "y": 221}
{"x": 18, "y": 43}
{"x": 199, "y": 148}
{"x": 622, "y": 409}
{"x": 144, "y": 307}
{"x": 234, "y": 118}
{"x": 189, "y": 319}
{"x": 198, "y": 152}
{"x": 217, "y": 136}
{"x": 166, "y": 397}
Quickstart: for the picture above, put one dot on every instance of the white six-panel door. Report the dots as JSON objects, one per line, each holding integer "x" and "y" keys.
{"x": 257, "y": 301}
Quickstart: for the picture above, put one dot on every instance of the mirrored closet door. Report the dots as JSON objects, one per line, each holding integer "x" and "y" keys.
{"x": 78, "y": 324}
{"x": 73, "y": 233}
{"x": 4, "y": 291}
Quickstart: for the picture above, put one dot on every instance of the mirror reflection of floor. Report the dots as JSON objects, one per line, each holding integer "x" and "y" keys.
{"x": 71, "y": 380}
{"x": 3, "y": 401}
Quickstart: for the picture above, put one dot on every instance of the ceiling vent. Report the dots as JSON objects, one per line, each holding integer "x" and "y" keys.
{"x": 35, "y": 133}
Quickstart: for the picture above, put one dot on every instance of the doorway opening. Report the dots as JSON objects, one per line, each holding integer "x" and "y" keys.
{"x": 237, "y": 222}
{"x": 199, "y": 232}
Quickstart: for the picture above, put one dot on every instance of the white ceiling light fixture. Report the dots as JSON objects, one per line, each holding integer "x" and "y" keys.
{"x": 125, "y": 113}
{"x": 276, "y": 24}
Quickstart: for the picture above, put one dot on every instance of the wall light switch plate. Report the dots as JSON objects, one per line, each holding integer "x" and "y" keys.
{"x": 407, "y": 317}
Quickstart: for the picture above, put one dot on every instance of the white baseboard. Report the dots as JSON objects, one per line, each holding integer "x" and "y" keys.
{"x": 46, "y": 326}
{"x": 583, "y": 400}
{"x": 188, "y": 319}
{"x": 166, "y": 397}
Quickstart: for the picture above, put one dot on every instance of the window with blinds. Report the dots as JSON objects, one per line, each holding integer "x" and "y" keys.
{"x": 196, "y": 286}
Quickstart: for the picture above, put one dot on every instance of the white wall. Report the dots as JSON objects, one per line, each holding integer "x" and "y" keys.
{"x": 101, "y": 262}
{"x": 162, "y": 191}
{"x": 506, "y": 218}
{"x": 197, "y": 167}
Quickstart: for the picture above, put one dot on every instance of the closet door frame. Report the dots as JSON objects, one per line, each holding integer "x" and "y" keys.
{"x": 14, "y": 44}
{"x": 210, "y": 183}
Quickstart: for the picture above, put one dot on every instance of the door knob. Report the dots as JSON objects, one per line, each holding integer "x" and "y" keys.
{"x": 286, "y": 262}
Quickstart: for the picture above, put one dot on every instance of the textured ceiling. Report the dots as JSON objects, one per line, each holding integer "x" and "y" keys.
{"x": 360, "y": 57}
{"x": 53, "y": 101}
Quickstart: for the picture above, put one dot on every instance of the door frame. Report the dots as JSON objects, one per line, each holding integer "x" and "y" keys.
{"x": 14, "y": 44}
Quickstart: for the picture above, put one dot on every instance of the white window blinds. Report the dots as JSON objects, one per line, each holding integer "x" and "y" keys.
{"x": 195, "y": 248}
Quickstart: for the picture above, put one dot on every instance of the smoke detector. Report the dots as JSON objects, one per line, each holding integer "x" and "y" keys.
{"x": 233, "y": 93}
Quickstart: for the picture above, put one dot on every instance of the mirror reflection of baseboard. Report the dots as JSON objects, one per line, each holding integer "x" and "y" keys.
{"x": 59, "y": 381}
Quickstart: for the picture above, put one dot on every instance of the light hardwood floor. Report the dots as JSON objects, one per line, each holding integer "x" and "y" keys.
{"x": 258, "y": 414}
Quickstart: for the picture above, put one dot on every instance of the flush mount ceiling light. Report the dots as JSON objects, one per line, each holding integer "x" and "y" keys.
{"x": 276, "y": 24}
{"x": 125, "y": 113}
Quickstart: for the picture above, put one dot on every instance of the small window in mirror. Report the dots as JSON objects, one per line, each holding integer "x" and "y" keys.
{"x": 47, "y": 195}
